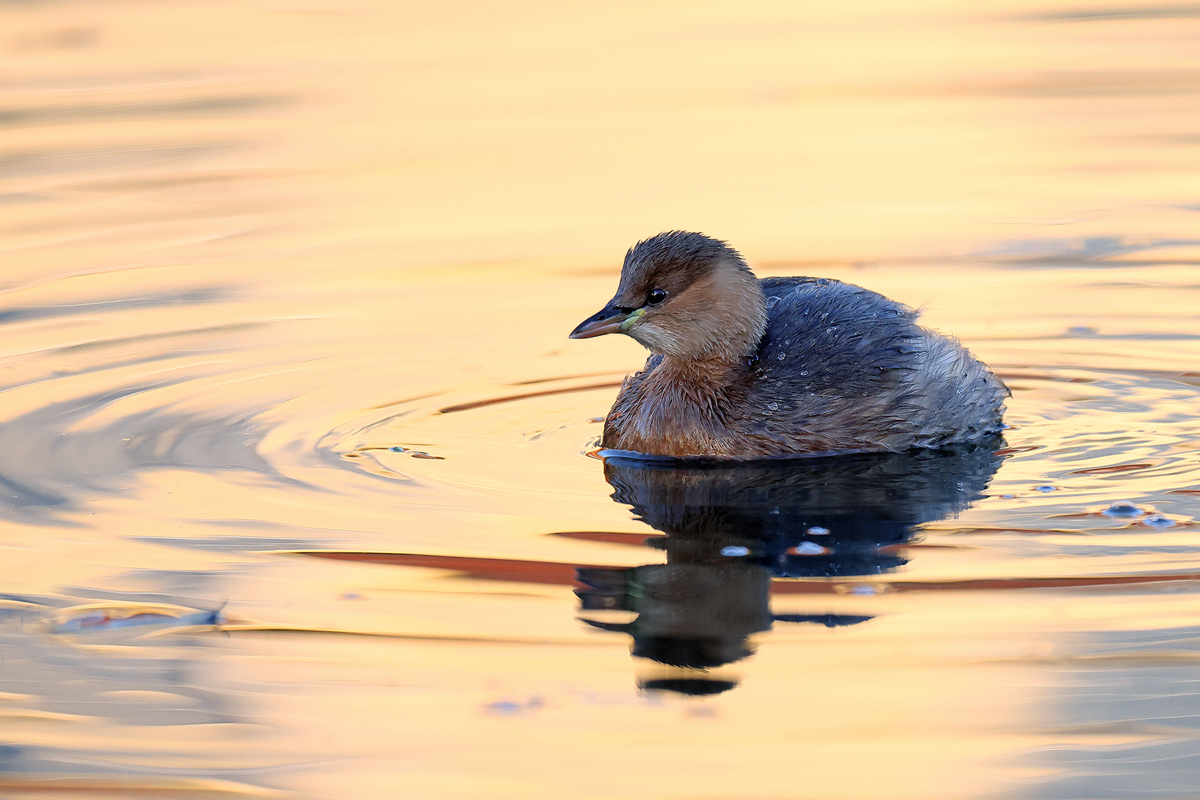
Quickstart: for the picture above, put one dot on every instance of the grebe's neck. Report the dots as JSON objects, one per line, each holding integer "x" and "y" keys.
{"x": 714, "y": 372}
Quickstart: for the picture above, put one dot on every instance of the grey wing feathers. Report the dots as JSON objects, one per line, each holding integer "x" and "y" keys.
{"x": 851, "y": 366}
{"x": 824, "y": 336}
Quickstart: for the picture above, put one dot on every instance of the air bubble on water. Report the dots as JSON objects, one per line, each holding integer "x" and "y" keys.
{"x": 782, "y": 356}
{"x": 809, "y": 549}
{"x": 803, "y": 372}
{"x": 396, "y": 449}
{"x": 1159, "y": 521}
{"x": 1045, "y": 487}
{"x": 817, "y": 530}
{"x": 1122, "y": 508}
{"x": 771, "y": 301}
{"x": 773, "y": 406}
{"x": 735, "y": 550}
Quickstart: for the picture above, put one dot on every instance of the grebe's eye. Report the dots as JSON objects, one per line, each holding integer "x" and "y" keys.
{"x": 656, "y": 296}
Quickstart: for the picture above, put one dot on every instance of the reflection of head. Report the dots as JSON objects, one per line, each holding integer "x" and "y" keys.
{"x": 731, "y": 527}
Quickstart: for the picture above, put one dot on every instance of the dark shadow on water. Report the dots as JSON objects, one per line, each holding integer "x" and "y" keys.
{"x": 188, "y": 108}
{"x": 733, "y": 529}
{"x": 1093, "y": 252}
{"x": 212, "y": 294}
{"x": 1114, "y": 13}
{"x": 67, "y": 160}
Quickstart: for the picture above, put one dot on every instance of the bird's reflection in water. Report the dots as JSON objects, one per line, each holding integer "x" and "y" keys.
{"x": 733, "y": 528}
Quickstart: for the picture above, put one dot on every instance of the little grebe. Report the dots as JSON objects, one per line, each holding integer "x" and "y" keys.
{"x": 748, "y": 368}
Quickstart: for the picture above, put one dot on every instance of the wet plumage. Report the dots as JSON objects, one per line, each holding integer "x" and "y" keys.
{"x": 744, "y": 368}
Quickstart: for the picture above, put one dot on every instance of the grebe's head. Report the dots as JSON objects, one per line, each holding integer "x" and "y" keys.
{"x": 685, "y": 295}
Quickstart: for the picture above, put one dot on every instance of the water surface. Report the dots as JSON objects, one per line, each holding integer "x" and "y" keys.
{"x": 296, "y": 490}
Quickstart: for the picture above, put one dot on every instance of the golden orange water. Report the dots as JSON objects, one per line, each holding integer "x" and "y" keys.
{"x": 292, "y": 278}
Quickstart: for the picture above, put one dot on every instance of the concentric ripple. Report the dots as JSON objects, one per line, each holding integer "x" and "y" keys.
{"x": 1084, "y": 433}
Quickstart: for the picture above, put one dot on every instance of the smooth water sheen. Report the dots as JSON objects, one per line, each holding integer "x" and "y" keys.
{"x": 297, "y": 464}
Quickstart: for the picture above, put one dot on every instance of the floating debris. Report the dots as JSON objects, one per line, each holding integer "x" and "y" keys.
{"x": 415, "y": 453}
{"x": 93, "y": 618}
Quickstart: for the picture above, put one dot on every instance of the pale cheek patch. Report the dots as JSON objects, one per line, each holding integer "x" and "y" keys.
{"x": 657, "y": 338}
